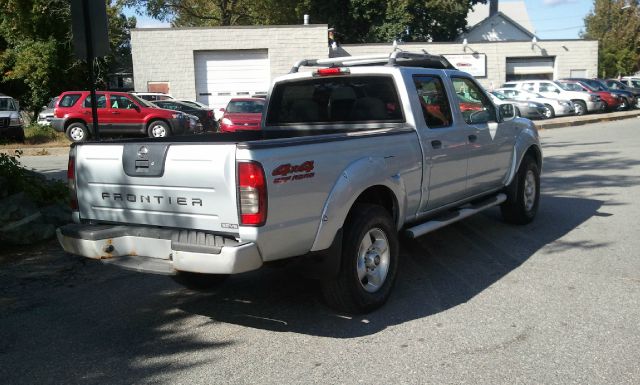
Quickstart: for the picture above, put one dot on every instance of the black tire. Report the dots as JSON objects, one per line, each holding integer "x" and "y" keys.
{"x": 78, "y": 132}
{"x": 518, "y": 208}
{"x": 198, "y": 281}
{"x": 604, "y": 108}
{"x": 550, "y": 113}
{"x": 625, "y": 104}
{"x": 346, "y": 292}
{"x": 158, "y": 129}
{"x": 580, "y": 107}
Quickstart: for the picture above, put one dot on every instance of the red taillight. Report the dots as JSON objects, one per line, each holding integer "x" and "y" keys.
{"x": 252, "y": 194}
{"x": 331, "y": 71}
{"x": 210, "y": 113}
{"x": 71, "y": 182}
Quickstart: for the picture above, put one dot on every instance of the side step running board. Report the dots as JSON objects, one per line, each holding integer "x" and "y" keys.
{"x": 454, "y": 216}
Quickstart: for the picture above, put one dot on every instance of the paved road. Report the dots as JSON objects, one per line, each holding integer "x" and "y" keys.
{"x": 479, "y": 302}
{"x": 53, "y": 166}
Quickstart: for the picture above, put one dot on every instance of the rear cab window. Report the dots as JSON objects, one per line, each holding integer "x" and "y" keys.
{"x": 327, "y": 100}
{"x": 69, "y": 100}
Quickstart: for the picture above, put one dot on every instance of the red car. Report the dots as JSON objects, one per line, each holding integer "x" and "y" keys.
{"x": 242, "y": 114}
{"x": 611, "y": 101}
{"x": 118, "y": 113}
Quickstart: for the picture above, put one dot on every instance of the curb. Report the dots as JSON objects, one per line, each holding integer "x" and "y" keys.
{"x": 582, "y": 120}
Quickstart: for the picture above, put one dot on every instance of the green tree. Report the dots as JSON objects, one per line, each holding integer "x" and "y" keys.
{"x": 36, "y": 52}
{"x": 616, "y": 26}
{"x": 358, "y": 21}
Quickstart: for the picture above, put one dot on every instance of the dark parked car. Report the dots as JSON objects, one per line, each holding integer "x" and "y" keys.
{"x": 242, "y": 114}
{"x": 618, "y": 85}
{"x": 204, "y": 114}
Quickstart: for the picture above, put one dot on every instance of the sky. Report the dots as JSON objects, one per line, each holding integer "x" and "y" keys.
{"x": 552, "y": 19}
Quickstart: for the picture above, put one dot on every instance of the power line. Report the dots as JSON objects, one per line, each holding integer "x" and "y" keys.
{"x": 559, "y": 29}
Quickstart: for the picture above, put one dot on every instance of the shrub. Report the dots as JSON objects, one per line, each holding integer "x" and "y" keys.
{"x": 35, "y": 186}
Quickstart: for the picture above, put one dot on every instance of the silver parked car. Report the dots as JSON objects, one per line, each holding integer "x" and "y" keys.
{"x": 524, "y": 108}
{"x": 10, "y": 120}
{"x": 46, "y": 114}
{"x": 555, "y": 107}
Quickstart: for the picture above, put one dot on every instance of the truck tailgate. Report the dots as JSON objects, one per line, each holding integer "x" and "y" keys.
{"x": 162, "y": 184}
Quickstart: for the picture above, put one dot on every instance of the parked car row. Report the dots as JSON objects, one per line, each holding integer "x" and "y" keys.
{"x": 585, "y": 95}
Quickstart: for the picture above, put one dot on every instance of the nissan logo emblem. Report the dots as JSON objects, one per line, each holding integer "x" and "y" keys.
{"x": 142, "y": 152}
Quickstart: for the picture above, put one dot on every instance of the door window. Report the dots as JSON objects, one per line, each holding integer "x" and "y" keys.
{"x": 433, "y": 101}
{"x": 529, "y": 87}
{"x": 102, "y": 101}
{"x": 548, "y": 87}
{"x": 120, "y": 102}
{"x": 474, "y": 104}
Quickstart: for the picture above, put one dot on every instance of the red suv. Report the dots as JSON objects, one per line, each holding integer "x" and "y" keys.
{"x": 118, "y": 113}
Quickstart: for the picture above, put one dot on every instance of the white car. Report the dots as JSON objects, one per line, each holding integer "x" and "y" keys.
{"x": 555, "y": 107}
{"x": 631, "y": 81}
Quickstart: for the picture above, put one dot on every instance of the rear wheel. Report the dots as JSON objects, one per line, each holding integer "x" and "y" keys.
{"x": 369, "y": 262}
{"x": 624, "y": 105}
{"x": 580, "y": 107}
{"x": 549, "y": 112}
{"x": 198, "y": 281}
{"x": 78, "y": 132}
{"x": 523, "y": 194}
{"x": 158, "y": 129}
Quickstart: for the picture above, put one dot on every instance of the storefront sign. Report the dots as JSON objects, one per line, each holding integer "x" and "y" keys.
{"x": 475, "y": 64}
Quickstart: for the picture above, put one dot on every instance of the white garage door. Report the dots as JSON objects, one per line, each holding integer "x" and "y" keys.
{"x": 222, "y": 75}
{"x": 530, "y": 68}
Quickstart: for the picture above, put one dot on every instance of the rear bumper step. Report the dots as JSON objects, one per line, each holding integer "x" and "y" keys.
{"x": 160, "y": 251}
{"x": 454, "y": 216}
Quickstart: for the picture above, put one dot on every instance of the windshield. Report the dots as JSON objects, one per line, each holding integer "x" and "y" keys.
{"x": 499, "y": 95}
{"x": 245, "y": 106}
{"x": 595, "y": 85}
{"x": 142, "y": 101}
{"x": 8, "y": 104}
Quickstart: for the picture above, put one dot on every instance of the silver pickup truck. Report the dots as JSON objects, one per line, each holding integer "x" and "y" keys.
{"x": 353, "y": 152}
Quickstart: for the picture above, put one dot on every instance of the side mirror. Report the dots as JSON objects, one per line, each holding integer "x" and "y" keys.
{"x": 136, "y": 107}
{"x": 507, "y": 112}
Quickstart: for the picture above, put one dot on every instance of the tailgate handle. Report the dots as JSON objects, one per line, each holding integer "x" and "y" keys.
{"x": 141, "y": 164}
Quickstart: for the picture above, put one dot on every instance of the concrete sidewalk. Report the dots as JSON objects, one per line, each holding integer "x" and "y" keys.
{"x": 567, "y": 121}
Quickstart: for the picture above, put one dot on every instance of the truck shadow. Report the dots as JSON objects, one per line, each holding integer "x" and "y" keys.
{"x": 437, "y": 272}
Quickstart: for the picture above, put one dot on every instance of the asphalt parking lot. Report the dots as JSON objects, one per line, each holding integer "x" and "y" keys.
{"x": 479, "y": 302}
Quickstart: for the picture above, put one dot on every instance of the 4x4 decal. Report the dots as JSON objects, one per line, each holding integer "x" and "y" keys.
{"x": 286, "y": 172}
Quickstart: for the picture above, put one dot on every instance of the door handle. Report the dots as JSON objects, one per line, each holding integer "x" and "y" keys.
{"x": 436, "y": 144}
{"x": 473, "y": 138}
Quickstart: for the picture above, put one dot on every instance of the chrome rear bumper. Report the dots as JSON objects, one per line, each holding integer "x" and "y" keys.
{"x": 160, "y": 251}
